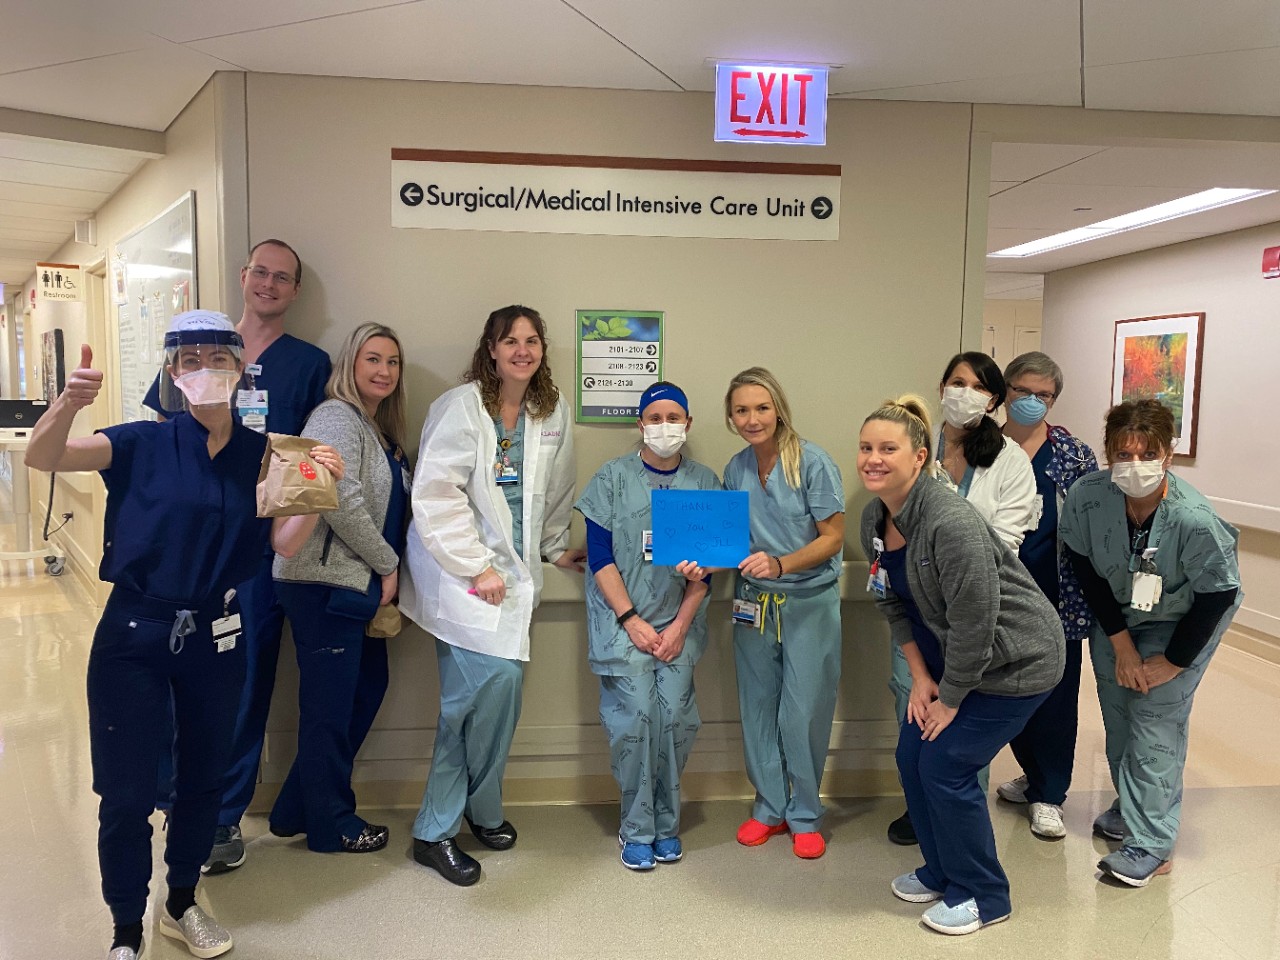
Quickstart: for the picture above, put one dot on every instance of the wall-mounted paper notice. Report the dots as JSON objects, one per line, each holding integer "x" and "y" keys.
{"x": 712, "y": 527}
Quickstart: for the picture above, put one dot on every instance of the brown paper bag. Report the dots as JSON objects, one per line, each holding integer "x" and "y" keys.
{"x": 385, "y": 623}
{"x": 290, "y": 483}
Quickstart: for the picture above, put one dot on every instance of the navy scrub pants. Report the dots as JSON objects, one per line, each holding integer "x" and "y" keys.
{"x": 133, "y": 677}
{"x": 949, "y": 810}
{"x": 342, "y": 678}
{"x": 1046, "y": 747}
{"x": 263, "y": 619}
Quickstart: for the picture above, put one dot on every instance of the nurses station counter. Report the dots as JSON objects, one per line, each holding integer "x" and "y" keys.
{"x": 560, "y": 753}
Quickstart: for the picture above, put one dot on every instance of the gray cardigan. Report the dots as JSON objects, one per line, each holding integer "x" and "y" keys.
{"x": 998, "y": 632}
{"x": 347, "y": 543}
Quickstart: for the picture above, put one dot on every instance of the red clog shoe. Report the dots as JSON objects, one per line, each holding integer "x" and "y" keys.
{"x": 808, "y": 846}
{"x": 753, "y": 832}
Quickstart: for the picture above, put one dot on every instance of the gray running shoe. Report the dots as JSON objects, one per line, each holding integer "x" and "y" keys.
{"x": 1134, "y": 866}
{"x": 202, "y": 934}
{"x": 227, "y": 853}
{"x": 1109, "y": 825}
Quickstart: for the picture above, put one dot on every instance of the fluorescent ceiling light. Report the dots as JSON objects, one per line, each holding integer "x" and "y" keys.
{"x": 1182, "y": 207}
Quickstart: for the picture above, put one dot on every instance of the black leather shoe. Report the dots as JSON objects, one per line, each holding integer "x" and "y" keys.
{"x": 902, "y": 832}
{"x": 446, "y": 859}
{"x": 372, "y": 837}
{"x": 501, "y": 837}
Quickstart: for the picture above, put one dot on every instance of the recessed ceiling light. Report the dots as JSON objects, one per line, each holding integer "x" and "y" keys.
{"x": 1182, "y": 207}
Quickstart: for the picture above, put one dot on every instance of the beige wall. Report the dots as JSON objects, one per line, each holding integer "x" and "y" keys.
{"x": 192, "y": 161}
{"x": 830, "y": 319}
{"x": 1236, "y": 466}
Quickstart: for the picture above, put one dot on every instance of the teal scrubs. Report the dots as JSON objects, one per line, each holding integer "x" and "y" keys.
{"x": 480, "y": 699}
{"x": 1146, "y": 735}
{"x": 789, "y": 667}
{"x": 647, "y": 707}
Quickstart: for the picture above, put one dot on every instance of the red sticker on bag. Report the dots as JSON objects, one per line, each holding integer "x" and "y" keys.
{"x": 307, "y": 470}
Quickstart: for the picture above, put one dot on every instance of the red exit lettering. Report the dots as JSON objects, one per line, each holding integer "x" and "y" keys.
{"x": 771, "y": 104}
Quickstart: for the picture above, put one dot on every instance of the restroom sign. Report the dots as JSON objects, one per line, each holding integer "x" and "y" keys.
{"x": 757, "y": 103}
{"x": 59, "y": 281}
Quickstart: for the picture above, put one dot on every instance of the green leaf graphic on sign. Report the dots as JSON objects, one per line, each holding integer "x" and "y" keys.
{"x": 602, "y": 328}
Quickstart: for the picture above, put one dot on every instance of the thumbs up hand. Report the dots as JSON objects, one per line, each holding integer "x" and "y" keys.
{"x": 84, "y": 383}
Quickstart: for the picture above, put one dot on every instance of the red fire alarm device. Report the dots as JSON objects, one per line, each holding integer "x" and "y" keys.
{"x": 1271, "y": 263}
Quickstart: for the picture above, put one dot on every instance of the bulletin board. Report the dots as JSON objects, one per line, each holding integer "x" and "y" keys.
{"x": 153, "y": 277}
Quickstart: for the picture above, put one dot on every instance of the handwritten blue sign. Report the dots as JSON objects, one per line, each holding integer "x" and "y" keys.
{"x": 712, "y": 527}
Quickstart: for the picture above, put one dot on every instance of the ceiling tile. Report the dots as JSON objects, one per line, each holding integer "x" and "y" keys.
{"x": 144, "y": 89}
{"x": 70, "y": 154}
{"x": 1191, "y": 167}
{"x": 1247, "y": 82}
{"x": 1059, "y": 88}
{"x": 62, "y": 31}
{"x": 186, "y": 20}
{"x": 1155, "y": 29}
{"x": 881, "y": 43}
{"x": 56, "y": 175}
{"x": 43, "y": 211}
{"x": 56, "y": 196}
{"x": 536, "y": 42}
{"x": 1023, "y": 161}
{"x": 1050, "y": 207}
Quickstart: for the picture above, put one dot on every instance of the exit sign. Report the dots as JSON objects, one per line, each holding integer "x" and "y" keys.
{"x": 756, "y": 103}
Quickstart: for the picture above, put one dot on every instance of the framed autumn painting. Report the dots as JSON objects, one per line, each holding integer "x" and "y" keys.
{"x": 1159, "y": 358}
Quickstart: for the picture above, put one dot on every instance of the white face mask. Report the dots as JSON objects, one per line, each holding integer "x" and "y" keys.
{"x": 1137, "y": 478}
{"x": 208, "y": 388}
{"x": 963, "y": 406}
{"x": 665, "y": 439}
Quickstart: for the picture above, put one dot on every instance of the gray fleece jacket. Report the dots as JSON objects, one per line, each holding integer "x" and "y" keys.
{"x": 347, "y": 543}
{"x": 998, "y": 633}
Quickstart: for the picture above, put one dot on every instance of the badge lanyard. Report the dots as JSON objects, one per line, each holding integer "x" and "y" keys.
{"x": 1147, "y": 584}
{"x": 505, "y": 472}
{"x": 878, "y": 581}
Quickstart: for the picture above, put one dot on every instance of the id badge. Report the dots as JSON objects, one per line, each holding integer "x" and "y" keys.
{"x": 252, "y": 405}
{"x": 646, "y": 541}
{"x": 878, "y": 582}
{"x": 1147, "y": 588}
{"x": 405, "y": 481}
{"x": 225, "y": 632}
{"x": 507, "y": 475}
{"x": 746, "y": 612}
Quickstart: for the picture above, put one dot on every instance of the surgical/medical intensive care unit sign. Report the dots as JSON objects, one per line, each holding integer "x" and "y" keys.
{"x": 619, "y": 357}
{"x": 620, "y": 196}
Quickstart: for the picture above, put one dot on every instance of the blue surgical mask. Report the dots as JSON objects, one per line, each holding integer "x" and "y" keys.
{"x": 1028, "y": 410}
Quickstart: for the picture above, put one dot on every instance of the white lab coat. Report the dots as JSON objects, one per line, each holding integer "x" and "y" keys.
{"x": 462, "y": 524}
{"x": 1004, "y": 494}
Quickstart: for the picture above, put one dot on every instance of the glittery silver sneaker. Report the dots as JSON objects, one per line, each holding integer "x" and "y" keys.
{"x": 202, "y": 934}
{"x": 126, "y": 953}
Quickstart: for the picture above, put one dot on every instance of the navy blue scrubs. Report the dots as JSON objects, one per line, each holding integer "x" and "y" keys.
{"x": 940, "y": 777}
{"x": 294, "y": 374}
{"x": 342, "y": 677}
{"x": 1046, "y": 748}
{"x": 181, "y": 531}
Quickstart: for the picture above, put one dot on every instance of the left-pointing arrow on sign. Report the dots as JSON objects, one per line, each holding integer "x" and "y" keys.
{"x": 411, "y": 194}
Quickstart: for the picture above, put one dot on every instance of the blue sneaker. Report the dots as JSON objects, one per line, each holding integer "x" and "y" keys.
{"x": 637, "y": 856}
{"x": 909, "y": 888}
{"x": 958, "y": 920}
{"x": 668, "y": 850}
{"x": 1134, "y": 866}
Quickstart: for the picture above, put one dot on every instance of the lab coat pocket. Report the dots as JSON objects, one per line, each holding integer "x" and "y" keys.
{"x": 466, "y": 609}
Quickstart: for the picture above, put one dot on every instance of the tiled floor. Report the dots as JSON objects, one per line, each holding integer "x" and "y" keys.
{"x": 562, "y": 893}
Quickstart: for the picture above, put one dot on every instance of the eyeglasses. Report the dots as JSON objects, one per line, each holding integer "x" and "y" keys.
{"x": 280, "y": 277}
{"x": 1045, "y": 398}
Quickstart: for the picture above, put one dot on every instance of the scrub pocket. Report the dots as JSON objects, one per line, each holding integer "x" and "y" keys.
{"x": 466, "y": 609}
{"x": 355, "y": 605}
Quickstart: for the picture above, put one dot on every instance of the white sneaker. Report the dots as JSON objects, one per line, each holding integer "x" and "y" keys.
{"x": 1014, "y": 791}
{"x": 1046, "y": 820}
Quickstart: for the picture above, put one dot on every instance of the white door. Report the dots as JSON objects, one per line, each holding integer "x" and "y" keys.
{"x": 1025, "y": 339}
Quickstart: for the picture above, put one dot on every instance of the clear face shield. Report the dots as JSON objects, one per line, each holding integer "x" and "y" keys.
{"x": 201, "y": 368}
